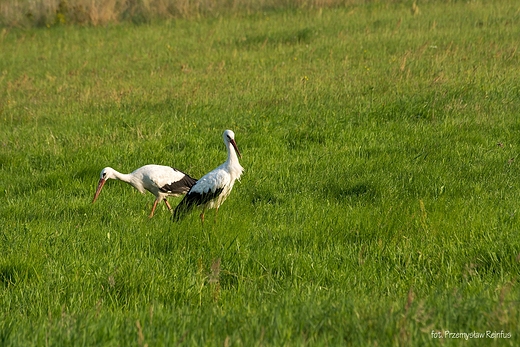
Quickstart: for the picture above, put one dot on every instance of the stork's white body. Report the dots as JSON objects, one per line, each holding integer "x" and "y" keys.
{"x": 213, "y": 188}
{"x": 161, "y": 181}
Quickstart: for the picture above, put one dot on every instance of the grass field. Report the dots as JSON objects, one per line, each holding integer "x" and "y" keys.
{"x": 379, "y": 206}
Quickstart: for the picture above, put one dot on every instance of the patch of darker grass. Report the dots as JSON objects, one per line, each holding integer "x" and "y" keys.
{"x": 360, "y": 191}
{"x": 12, "y": 273}
{"x": 286, "y": 37}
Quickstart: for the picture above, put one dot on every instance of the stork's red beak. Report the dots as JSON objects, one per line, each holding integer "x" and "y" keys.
{"x": 98, "y": 190}
{"x": 236, "y": 148}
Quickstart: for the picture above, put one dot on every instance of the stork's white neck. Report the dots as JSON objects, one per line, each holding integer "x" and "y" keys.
{"x": 128, "y": 178}
{"x": 121, "y": 176}
{"x": 232, "y": 162}
{"x": 232, "y": 154}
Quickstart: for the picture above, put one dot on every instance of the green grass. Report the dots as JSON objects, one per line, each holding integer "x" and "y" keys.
{"x": 379, "y": 201}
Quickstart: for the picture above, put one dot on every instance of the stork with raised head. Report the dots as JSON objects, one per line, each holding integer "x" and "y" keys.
{"x": 161, "y": 181}
{"x": 213, "y": 188}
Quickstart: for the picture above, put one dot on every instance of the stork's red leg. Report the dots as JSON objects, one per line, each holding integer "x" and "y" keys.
{"x": 167, "y": 204}
{"x": 153, "y": 208}
{"x": 202, "y": 217}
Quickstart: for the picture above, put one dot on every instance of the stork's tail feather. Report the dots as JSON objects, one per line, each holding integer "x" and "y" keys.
{"x": 193, "y": 199}
{"x": 181, "y": 210}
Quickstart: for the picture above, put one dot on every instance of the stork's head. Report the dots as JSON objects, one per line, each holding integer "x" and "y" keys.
{"x": 105, "y": 174}
{"x": 229, "y": 137}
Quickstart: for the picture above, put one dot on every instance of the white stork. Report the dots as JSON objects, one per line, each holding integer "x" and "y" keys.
{"x": 213, "y": 188}
{"x": 161, "y": 181}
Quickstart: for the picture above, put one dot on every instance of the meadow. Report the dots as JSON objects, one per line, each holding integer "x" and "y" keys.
{"x": 379, "y": 203}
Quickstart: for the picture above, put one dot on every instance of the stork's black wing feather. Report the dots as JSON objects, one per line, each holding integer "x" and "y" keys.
{"x": 192, "y": 200}
{"x": 179, "y": 187}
